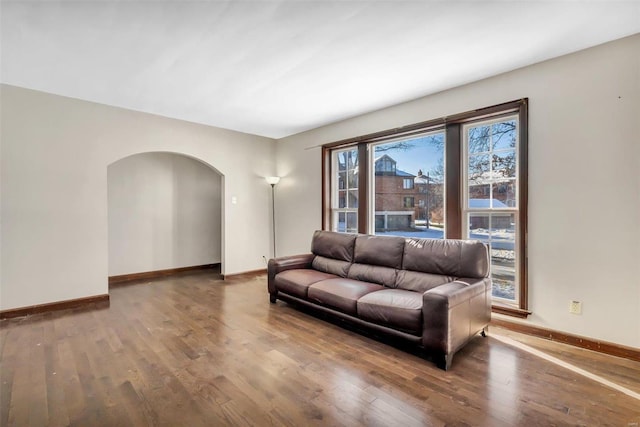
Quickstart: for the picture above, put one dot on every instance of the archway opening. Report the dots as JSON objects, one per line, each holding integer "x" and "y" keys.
{"x": 165, "y": 214}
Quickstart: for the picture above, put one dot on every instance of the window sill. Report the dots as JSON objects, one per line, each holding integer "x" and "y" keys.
{"x": 510, "y": 311}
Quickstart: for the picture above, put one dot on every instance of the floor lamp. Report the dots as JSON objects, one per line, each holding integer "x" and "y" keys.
{"x": 273, "y": 180}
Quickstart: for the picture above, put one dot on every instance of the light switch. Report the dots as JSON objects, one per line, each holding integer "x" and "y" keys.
{"x": 234, "y": 200}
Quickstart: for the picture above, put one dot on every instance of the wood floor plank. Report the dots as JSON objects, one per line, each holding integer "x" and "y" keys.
{"x": 194, "y": 350}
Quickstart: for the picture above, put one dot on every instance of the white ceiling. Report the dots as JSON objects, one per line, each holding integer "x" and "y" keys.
{"x": 279, "y": 67}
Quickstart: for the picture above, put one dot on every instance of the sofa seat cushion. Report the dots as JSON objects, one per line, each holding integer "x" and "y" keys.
{"x": 342, "y": 294}
{"x": 296, "y": 282}
{"x": 395, "y": 308}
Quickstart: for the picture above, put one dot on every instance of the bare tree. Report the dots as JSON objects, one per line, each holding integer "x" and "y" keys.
{"x": 482, "y": 141}
{"x": 400, "y": 145}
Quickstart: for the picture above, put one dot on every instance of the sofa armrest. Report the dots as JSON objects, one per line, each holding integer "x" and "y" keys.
{"x": 455, "y": 312}
{"x": 277, "y": 265}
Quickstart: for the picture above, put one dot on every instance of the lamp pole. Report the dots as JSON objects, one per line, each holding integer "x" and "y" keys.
{"x": 273, "y": 216}
{"x": 426, "y": 202}
{"x": 273, "y": 180}
{"x": 424, "y": 180}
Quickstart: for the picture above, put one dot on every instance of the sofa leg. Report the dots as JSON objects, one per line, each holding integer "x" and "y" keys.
{"x": 485, "y": 331}
{"x": 273, "y": 297}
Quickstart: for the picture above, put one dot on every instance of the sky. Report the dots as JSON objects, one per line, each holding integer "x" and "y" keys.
{"x": 422, "y": 153}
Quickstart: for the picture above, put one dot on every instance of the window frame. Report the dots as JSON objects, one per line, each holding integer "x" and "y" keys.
{"x": 491, "y": 211}
{"x": 453, "y": 198}
{"x": 335, "y": 191}
{"x": 408, "y": 202}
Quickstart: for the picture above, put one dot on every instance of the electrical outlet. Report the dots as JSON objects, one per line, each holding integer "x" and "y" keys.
{"x": 575, "y": 307}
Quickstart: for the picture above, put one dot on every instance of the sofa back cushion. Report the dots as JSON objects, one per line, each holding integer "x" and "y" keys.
{"x": 457, "y": 258}
{"x": 384, "y": 251}
{"x": 420, "y": 282}
{"x": 384, "y": 276}
{"x": 330, "y": 244}
{"x": 331, "y": 266}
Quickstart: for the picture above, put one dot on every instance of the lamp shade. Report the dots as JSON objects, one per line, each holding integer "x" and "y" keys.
{"x": 273, "y": 180}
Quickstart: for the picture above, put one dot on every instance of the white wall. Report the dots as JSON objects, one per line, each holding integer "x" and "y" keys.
{"x": 55, "y": 153}
{"x": 584, "y": 182}
{"x": 164, "y": 212}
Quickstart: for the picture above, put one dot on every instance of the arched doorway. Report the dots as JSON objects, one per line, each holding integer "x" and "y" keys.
{"x": 164, "y": 212}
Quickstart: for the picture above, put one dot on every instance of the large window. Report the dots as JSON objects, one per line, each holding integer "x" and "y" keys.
{"x": 459, "y": 177}
{"x": 490, "y": 211}
{"x": 344, "y": 203}
{"x": 408, "y": 194}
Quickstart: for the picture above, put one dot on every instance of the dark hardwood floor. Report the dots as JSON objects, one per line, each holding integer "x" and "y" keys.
{"x": 193, "y": 350}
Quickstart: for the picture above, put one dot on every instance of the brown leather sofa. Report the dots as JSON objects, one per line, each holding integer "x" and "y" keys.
{"x": 433, "y": 293}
